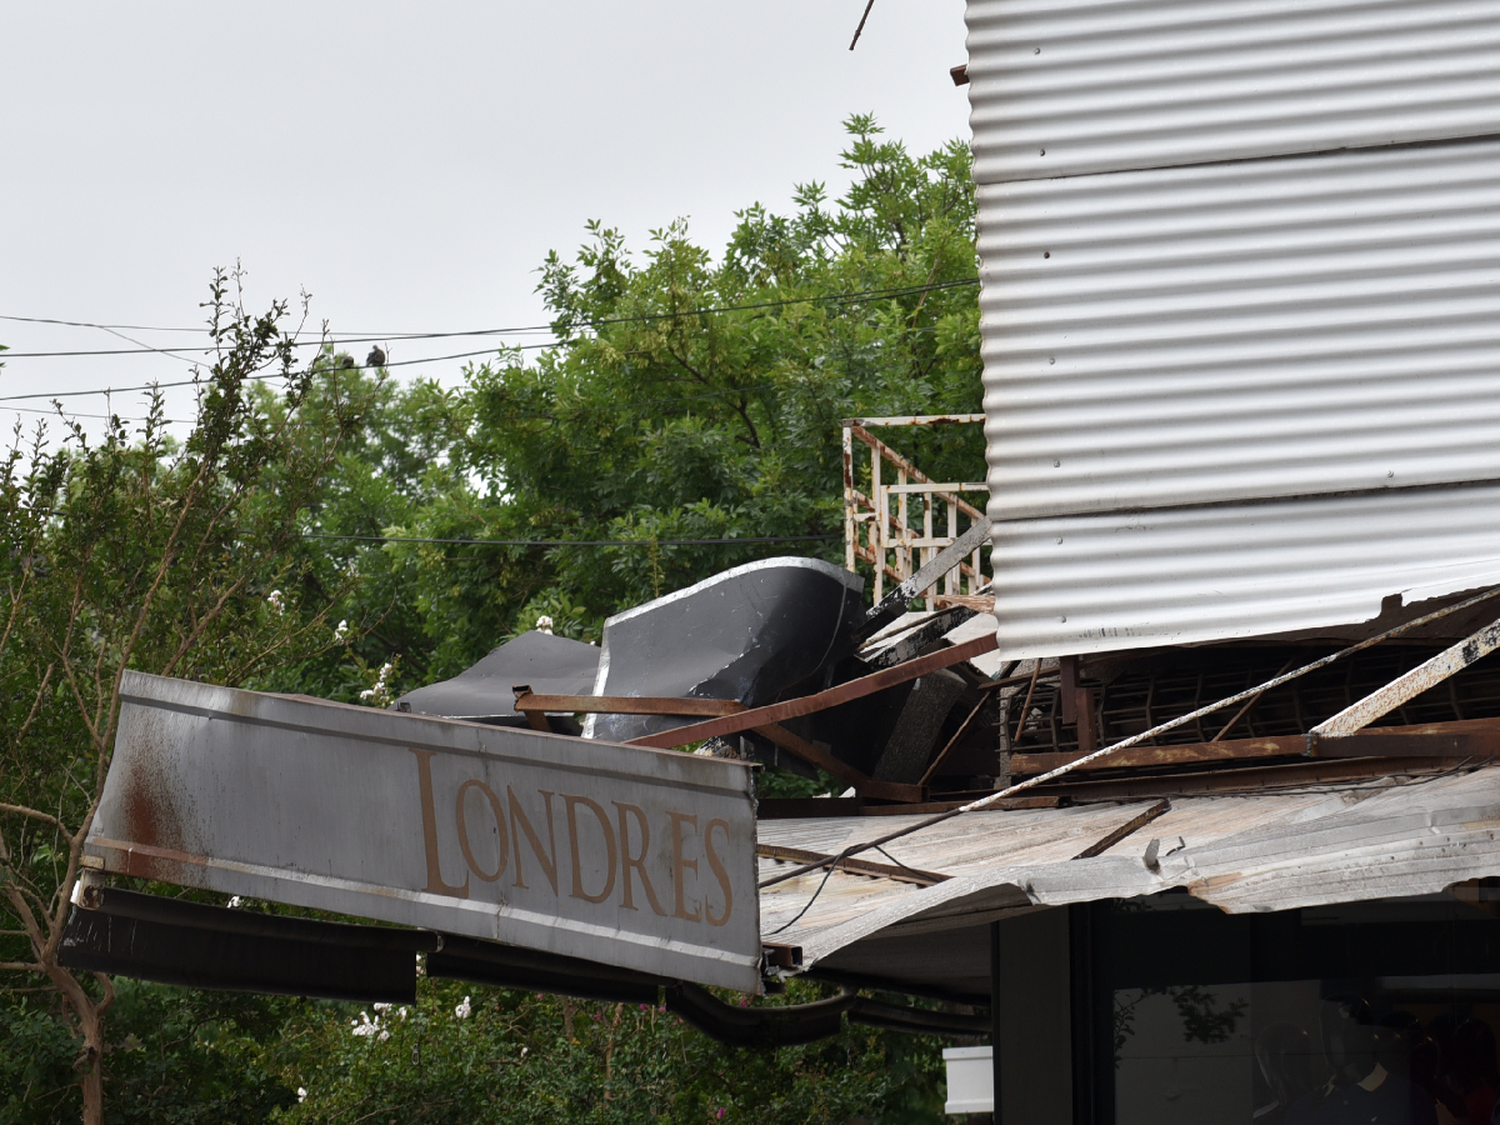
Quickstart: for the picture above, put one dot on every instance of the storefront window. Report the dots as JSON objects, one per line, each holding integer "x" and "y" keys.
{"x": 1373, "y": 1013}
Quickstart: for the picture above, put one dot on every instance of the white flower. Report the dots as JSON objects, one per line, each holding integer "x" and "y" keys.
{"x": 381, "y": 1007}
{"x": 524, "y": 1050}
{"x": 383, "y": 1036}
{"x": 544, "y": 624}
{"x": 234, "y": 901}
{"x": 463, "y": 1010}
{"x": 302, "y": 1093}
{"x": 277, "y": 601}
{"x": 342, "y": 631}
{"x": 365, "y": 1026}
{"x": 402, "y": 1011}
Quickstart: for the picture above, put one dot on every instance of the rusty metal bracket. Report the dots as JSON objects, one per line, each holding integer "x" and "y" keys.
{"x": 854, "y": 866}
{"x": 1406, "y": 687}
{"x": 1135, "y": 824}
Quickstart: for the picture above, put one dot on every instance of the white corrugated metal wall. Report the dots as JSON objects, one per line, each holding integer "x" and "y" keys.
{"x": 1241, "y": 312}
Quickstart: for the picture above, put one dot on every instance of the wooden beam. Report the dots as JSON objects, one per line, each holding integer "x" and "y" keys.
{"x": 820, "y": 701}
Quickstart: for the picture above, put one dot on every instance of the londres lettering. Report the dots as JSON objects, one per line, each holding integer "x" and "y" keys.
{"x": 671, "y": 862}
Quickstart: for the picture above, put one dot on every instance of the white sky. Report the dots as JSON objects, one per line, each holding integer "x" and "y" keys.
{"x": 409, "y": 165}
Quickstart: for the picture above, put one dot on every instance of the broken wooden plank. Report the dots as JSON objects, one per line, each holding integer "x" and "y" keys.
{"x": 819, "y": 701}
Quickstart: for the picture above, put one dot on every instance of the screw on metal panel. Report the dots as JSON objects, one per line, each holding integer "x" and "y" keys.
{"x": 1390, "y": 472}
{"x": 1057, "y": 464}
{"x": 1063, "y": 618}
{"x": 1059, "y": 538}
{"x": 1051, "y": 359}
{"x": 1036, "y": 50}
{"x": 1041, "y": 152}
{"x": 1046, "y": 253}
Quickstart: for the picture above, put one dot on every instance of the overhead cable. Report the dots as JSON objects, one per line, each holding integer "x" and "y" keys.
{"x": 573, "y": 542}
{"x": 854, "y": 297}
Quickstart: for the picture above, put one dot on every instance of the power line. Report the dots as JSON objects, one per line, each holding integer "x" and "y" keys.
{"x": 200, "y": 382}
{"x": 572, "y": 542}
{"x": 855, "y": 297}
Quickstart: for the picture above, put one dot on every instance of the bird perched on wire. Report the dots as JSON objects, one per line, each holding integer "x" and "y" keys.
{"x": 376, "y": 358}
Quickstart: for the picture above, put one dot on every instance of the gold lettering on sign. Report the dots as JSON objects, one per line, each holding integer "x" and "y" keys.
{"x": 435, "y": 884}
{"x": 519, "y": 824}
{"x": 636, "y": 863}
{"x": 716, "y": 865}
{"x": 571, "y": 803}
{"x": 679, "y": 865}
{"x": 503, "y": 844}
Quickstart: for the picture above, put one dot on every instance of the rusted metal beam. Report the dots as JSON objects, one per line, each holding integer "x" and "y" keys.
{"x": 1132, "y": 825}
{"x": 528, "y": 702}
{"x": 1253, "y": 779}
{"x": 1139, "y": 757}
{"x": 1368, "y": 744}
{"x": 815, "y": 755}
{"x": 1403, "y": 688}
{"x": 854, "y": 866}
{"x": 820, "y": 701}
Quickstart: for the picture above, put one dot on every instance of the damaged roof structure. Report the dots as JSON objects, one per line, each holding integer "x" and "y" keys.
{"x": 1179, "y": 758}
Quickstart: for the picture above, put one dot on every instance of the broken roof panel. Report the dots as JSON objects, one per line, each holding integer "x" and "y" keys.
{"x": 1249, "y": 853}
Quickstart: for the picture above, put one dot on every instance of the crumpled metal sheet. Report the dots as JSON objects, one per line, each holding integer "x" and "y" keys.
{"x": 549, "y": 664}
{"x": 747, "y": 634}
{"x": 1244, "y": 854}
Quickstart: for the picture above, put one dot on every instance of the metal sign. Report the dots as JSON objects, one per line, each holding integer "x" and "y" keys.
{"x": 622, "y": 855}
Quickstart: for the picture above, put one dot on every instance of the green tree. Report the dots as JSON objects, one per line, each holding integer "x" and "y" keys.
{"x": 658, "y": 418}
{"x": 137, "y": 552}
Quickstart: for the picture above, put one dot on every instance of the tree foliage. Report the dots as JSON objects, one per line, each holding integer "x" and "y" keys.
{"x": 327, "y": 530}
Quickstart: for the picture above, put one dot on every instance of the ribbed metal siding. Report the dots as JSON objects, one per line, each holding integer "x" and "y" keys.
{"x": 1270, "y": 328}
{"x": 1066, "y": 87}
{"x": 1102, "y": 582}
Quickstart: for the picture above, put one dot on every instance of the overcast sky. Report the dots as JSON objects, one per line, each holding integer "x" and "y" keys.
{"x": 408, "y": 165}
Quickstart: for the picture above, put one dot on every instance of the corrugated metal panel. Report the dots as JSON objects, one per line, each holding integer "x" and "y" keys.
{"x": 1063, "y": 87}
{"x": 1101, "y": 582}
{"x": 1276, "y": 328}
{"x": 1277, "y": 851}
